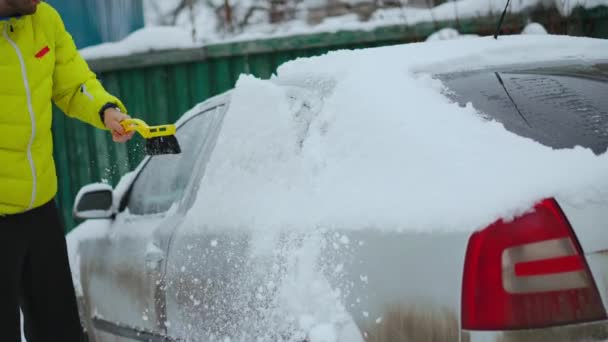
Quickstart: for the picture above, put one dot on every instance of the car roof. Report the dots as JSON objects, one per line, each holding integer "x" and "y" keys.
{"x": 217, "y": 100}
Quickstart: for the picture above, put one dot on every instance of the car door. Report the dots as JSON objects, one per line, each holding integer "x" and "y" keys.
{"x": 124, "y": 267}
{"x": 211, "y": 276}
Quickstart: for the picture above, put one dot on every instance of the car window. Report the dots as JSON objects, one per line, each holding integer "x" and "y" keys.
{"x": 163, "y": 180}
{"x": 561, "y": 106}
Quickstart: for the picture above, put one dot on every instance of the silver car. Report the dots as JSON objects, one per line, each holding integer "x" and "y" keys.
{"x": 543, "y": 276}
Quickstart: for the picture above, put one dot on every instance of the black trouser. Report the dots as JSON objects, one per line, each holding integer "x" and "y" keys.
{"x": 36, "y": 278}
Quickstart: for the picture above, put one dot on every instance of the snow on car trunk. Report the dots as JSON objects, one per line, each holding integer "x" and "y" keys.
{"x": 387, "y": 150}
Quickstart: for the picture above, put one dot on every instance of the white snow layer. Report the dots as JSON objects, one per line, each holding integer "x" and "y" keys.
{"x": 534, "y": 28}
{"x": 448, "y": 34}
{"x": 143, "y": 40}
{"x": 153, "y": 38}
{"x": 388, "y": 150}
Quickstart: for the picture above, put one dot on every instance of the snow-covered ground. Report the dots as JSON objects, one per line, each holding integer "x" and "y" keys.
{"x": 154, "y": 37}
{"x": 386, "y": 150}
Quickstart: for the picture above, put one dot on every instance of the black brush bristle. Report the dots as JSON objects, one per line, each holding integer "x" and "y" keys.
{"x": 162, "y": 145}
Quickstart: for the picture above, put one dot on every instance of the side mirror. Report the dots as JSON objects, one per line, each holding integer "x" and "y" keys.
{"x": 94, "y": 201}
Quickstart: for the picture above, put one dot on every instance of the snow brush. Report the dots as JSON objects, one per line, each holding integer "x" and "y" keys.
{"x": 159, "y": 139}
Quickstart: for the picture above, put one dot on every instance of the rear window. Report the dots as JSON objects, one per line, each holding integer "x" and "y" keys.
{"x": 559, "y": 106}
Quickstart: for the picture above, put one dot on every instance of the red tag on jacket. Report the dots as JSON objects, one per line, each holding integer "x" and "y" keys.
{"x": 43, "y": 52}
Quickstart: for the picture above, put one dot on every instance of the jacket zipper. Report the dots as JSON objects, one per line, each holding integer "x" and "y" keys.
{"x": 86, "y": 92}
{"x": 30, "y": 108}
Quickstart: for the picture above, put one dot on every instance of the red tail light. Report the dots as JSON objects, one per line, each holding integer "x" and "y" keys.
{"x": 528, "y": 273}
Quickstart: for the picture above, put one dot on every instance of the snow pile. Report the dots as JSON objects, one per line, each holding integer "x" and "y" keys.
{"x": 454, "y": 10}
{"x": 476, "y": 8}
{"x": 387, "y": 147}
{"x": 462, "y": 9}
{"x": 534, "y": 28}
{"x": 448, "y": 34}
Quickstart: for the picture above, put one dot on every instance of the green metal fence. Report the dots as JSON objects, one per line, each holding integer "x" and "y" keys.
{"x": 160, "y": 86}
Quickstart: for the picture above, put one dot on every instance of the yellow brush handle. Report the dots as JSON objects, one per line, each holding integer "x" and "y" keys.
{"x": 147, "y": 131}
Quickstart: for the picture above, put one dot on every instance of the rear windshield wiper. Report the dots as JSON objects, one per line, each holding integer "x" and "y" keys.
{"x": 510, "y": 98}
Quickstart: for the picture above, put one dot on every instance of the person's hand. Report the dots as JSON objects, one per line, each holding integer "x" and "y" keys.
{"x": 112, "y": 118}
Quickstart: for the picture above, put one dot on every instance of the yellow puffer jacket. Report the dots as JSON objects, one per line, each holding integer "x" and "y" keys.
{"x": 39, "y": 62}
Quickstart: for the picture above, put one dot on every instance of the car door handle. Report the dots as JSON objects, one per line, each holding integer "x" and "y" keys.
{"x": 153, "y": 257}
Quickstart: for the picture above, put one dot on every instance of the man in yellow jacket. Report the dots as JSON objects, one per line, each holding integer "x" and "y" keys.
{"x": 39, "y": 64}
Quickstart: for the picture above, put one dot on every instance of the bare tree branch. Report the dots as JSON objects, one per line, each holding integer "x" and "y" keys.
{"x": 236, "y": 15}
{"x": 183, "y": 4}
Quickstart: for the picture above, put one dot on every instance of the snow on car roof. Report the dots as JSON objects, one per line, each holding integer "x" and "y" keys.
{"x": 387, "y": 150}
